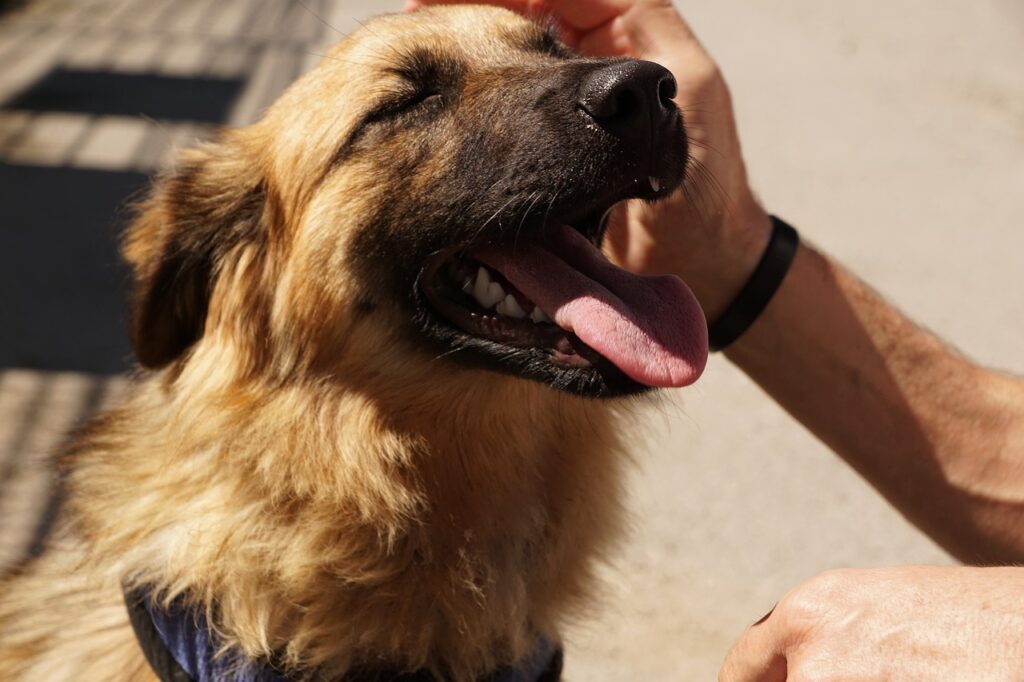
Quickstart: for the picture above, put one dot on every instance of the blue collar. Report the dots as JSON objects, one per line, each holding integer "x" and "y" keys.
{"x": 180, "y": 647}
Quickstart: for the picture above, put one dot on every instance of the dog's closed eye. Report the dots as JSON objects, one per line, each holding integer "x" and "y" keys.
{"x": 547, "y": 42}
{"x": 420, "y": 98}
{"x": 426, "y": 86}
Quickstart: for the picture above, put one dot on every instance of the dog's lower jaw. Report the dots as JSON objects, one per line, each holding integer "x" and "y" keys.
{"x": 444, "y": 537}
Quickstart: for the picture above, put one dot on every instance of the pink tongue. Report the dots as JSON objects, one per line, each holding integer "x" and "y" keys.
{"x": 651, "y": 328}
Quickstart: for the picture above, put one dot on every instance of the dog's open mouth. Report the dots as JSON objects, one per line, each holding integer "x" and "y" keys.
{"x": 559, "y": 301}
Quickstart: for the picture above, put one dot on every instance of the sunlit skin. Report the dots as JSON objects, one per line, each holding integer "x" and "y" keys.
{"x": 940, "y": 437}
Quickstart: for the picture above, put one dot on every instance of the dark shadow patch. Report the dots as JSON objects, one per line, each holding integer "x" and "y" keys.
{"x": 9, "y": 5}
{"x": 63, "y": 285}
{"x": 122, "y": 94}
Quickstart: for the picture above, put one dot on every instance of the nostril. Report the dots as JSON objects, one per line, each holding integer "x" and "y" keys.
{"x": 667, "y": 91}
{"x": 630, "y": 99}
{"x": 609, "y": 100}
{"x": 623, "y": 104}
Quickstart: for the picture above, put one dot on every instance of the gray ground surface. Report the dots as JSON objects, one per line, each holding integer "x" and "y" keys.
{"x": 892, "y": 134}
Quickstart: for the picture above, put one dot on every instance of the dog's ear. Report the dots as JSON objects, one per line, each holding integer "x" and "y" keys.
{"x": 195, "y": 215}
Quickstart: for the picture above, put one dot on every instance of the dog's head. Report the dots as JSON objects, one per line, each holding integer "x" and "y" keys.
{"x": 437, "y": 185}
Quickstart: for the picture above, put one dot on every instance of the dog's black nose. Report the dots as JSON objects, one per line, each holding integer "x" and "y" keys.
{"x": 631, "y": 100}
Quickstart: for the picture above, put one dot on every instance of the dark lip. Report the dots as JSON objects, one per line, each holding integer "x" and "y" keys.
{"x": 600, "y": 379}
{"x": 446, "y": 301}
{"x": 461, "y": 310}
{"x": 550, "y": 355}
{"x": 544, "y": 352}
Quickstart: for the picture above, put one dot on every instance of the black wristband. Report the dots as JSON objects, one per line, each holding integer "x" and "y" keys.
{"x": 759, "y": 289}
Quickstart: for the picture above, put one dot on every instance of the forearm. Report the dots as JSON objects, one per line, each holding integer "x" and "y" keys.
{"x": 934, "y": 433}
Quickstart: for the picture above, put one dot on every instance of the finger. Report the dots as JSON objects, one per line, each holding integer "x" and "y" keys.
{"x": 758, "y": 656}
{"x": 528, "y": 7}
{"x": 580, "y": 15}
{"x": 648, "y": 31}
{"x": 608, "y": 27}
{"x": 534, "y": 9}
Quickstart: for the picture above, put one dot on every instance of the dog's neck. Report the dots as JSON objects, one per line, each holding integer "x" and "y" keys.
{"x": 332, "y": 525}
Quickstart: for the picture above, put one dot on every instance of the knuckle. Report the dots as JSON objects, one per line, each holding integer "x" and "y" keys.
{"x": 830, "y": 585}
{"x": 806, "y": 605}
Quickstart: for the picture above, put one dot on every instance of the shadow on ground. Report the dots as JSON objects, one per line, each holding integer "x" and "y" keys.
{"x": 64, "y": 287}
{"x": 64, "y": 302}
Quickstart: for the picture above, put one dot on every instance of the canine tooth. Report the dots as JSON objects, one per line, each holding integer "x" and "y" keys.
{"x": 486, "y": 292}
{"x": 655, "y": 183}
{"x": 510, "y": 307}
{"x": 495, "y": 293}
{"x": 481, "y": 286}
{"x": 538, "y": 315}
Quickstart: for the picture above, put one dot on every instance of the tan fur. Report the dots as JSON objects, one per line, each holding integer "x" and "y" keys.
{"x": 327, "y": 490}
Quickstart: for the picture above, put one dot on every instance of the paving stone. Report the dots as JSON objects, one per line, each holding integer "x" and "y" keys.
{"x": 190, "y": 16}
{"x": 275, "y": 68}
{"x": 229, "y": 22}
{"x": 113, "y": 13}
{"x": 19, "y": 391}
{"x": 92, "y": 50}
{"x": 12, "y": 124}
{"x": 230, "y": 60}
{"x": 305, "y": 21}
{"x": 112, "y": 143}
{"x": 74, "y": 15}
{"x": 24, "y": 66}
{"x": 26, "y": 483}
{"x": 17, "y": 37}
{"x": 39, "y": 409}
{"x": 136, "y": 55}
{"x": 148, "y": 16}
{"x": 183, "y": 57}
{"x": 268, "y": 23}
{"x": 50, "y": 140}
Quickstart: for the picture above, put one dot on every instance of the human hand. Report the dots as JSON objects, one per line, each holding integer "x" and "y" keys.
{"x": 907, "y": 624}
{"x": 712, "y": 231}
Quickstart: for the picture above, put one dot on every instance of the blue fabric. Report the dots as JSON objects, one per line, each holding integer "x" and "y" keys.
{"x": 533, "y": 667}
{"x": 187, "y": 636}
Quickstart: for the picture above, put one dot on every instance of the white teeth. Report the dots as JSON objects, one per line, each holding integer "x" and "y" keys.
{"x": 538, "y": 315}
{"x": 655, "y": 183}
{"x": 510, "y": 307}
{"x": 494, "y": 294}
{"x": 486, "y": 292}
{"x": 483, "y": 281}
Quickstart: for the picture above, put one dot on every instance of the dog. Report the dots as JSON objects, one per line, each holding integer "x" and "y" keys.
{"x": 383, "y": 361}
